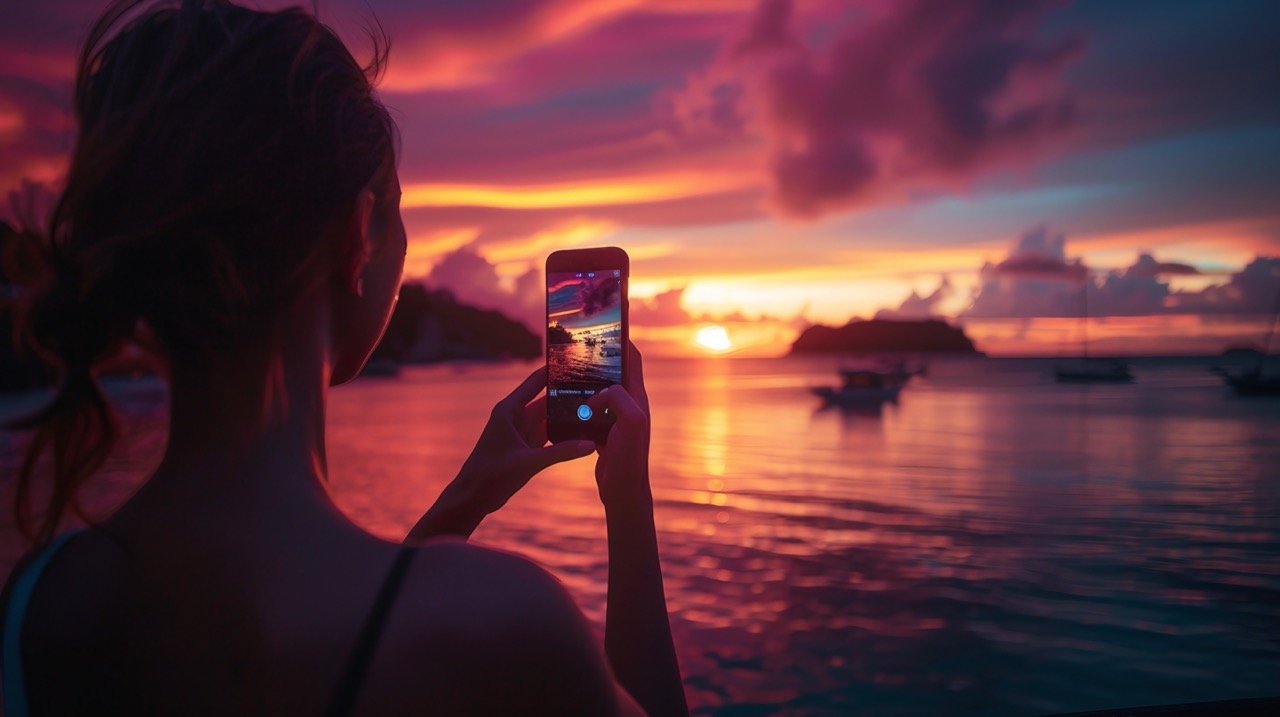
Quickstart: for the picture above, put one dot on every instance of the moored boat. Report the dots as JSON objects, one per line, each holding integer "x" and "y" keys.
{"x": 1253, "y": 383}
{"x": 859, "y": 388}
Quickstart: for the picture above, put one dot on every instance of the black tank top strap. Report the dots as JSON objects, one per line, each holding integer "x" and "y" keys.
{"x": 362, "y": 653}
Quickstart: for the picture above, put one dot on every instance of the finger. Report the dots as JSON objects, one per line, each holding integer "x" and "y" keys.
{"x": 523, "y": 394}
{"x": 635, "y": 376}
{"x": 560, "y": 452}
{"x": 533, "y": 422}
{"x": 537, "y": 408}
{"x": 619, "y": 402}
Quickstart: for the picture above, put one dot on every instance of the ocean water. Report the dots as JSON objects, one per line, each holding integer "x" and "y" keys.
{"x": 578, "y": 362}
{"x": 991, "y": 544}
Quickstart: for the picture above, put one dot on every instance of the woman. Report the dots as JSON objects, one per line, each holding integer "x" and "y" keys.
{"x": 232, "y": 201}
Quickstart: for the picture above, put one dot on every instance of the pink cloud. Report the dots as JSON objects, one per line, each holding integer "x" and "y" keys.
{"x": 473, "y": 280}
{"x": 918, "y": 93}
{"x": 917, "y": 307}
{"x": 1038, "y": 280}
{"x": 460, "y": 45}
{"x": 663, "y": 309}
{"x": 1147, "y": 266}
{"x": 1255, "y": 289}
{"x": 1041, "y": 255}
{"x": 496, "y": 224}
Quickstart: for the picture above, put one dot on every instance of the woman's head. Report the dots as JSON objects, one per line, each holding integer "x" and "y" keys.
{"x": 218, "y": 148}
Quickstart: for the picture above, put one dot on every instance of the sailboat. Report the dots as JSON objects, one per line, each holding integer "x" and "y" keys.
{"x": 1089, "y": 370}
{"x": 1252, "y": 382}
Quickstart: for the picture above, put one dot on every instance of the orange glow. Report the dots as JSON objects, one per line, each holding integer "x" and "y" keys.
{"x": 465, "y": 59}
{"x": 748, "y": 339}
{"x": 424, "y": 251}
{"x": 713, "y": 338}
{"x": 640, "y": 189}
{"x": 468, "y": 58}
{"x": 1115, "y": 335}
{"x": 565, "y": 235}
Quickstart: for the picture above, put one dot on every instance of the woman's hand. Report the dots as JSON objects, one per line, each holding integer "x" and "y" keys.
{"x": 511, "y": 450}
{"x": 622, "y": 471}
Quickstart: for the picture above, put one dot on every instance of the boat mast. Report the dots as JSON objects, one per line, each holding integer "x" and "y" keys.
{"x": 1084, "y": 316}
{"x": 1266, "y": 348}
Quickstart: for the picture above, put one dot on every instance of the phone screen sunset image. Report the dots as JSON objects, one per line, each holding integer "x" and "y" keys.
{"x": 584, "y": 329}
{"x": 956, "y": 323}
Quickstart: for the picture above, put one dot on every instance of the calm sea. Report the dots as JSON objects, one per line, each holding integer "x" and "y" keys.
{"x": 991, "y": 544}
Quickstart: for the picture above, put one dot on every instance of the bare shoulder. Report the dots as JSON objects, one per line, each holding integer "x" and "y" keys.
{"x": 66, "y": 624}
{"x": 483, "y": 576}
{"x": 61, "y": 609}
{"x": 503, "y": 636}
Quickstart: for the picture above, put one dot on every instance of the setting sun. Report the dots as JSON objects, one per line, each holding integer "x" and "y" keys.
{"x": 713, "y": 338}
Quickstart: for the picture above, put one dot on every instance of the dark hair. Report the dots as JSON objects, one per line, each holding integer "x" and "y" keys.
{"x": 216, "y": 144}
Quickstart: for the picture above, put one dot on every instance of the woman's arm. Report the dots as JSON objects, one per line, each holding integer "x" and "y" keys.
{"x": 511, "y": 450}
{"x": 637, "y": 635}
{"x": 514, "y": 642}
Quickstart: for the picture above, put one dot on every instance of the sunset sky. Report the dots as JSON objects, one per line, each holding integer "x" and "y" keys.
{"x": 769, "y": 164}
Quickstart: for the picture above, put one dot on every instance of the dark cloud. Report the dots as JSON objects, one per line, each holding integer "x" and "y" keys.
{"x": 1035, "y": 279}
{"x": 1129, "y": 292}
{"x": 1148, "y": 266}
{"x": 1255, "y": 289}
{"x": 1039, "y": 254}
{"x": 599, "y": 295}
{"x": 1038, "y": 280}
{"x": 769, "y": 30}
{"x": 921, "y": 92}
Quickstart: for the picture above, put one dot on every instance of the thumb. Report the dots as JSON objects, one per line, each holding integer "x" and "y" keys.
{"x": 561, "y": 452}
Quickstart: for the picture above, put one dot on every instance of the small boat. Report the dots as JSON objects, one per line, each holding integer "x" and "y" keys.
{"x": 590, "y": 341}
{"x": 1093, "y": 371}
{"x": 1087, "y": 369}
{"x": 859, "y": 388}
{"x": 608, "y": 350}
{"x": 1253, "y": 383}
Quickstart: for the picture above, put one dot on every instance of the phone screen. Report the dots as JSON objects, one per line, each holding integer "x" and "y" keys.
{"x": 585, "y": 345}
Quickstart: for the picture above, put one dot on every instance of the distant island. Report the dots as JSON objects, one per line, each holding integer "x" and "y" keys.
{"x": 883, "y": 336}
{"x": 430, "y": 325}
{"x": 557, "y": 334}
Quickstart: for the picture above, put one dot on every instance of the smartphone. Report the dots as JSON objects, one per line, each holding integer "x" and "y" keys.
{"x": 587, "y": 338}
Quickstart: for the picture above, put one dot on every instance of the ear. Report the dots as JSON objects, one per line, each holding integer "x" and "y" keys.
{"x": 356, "y": 242}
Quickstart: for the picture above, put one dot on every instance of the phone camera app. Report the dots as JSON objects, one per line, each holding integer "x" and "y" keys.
{"x": 584, "y": 338}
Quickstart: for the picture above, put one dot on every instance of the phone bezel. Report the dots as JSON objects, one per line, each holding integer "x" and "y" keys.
{"x": 590, "y": 259}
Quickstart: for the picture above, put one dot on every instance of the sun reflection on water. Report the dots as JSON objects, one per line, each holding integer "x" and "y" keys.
{"x": 992, "y": 543}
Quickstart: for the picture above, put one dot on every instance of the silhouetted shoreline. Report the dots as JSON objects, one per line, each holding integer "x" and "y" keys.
{"x": 884, "y": 336}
